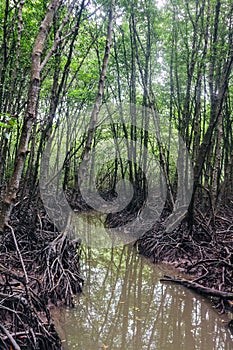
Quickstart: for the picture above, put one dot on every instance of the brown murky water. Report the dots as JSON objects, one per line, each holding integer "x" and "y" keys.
{"x": 125, "y": 307}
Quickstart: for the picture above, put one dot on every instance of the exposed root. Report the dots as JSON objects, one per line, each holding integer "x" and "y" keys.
{"x": 206, "y": 253}
{"x": 37, "y": 267}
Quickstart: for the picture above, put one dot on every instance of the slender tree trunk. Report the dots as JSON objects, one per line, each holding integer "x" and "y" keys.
{"x": 99, "y": 97}
{"x": 30, "y": 117}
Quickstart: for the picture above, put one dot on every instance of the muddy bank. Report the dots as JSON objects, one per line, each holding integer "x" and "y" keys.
{"x": 205, "y": 253}
{"x": 38, "y": 267}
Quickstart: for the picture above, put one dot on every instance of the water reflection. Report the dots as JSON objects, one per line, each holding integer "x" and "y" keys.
{"x": 125, "y": 307}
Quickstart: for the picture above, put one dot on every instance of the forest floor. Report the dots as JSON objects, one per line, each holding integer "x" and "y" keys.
{"x": 205, "y": 254}
{"x": 40, "y": 267}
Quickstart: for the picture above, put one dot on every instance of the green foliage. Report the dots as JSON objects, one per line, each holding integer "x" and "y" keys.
{"x": 178, "y": 51}
{"x": 7, "y": 122}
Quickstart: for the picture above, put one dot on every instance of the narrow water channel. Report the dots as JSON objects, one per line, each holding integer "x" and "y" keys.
{"x": 124, "y": 306}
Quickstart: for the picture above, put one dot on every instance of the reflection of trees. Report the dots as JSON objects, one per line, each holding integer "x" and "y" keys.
{"x": 125, "y": 307}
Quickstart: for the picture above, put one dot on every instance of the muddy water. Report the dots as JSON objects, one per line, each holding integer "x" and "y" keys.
{"x": 124, "y": 306}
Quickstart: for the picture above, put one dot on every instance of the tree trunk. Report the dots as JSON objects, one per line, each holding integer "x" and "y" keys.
{"x": 99, "y": 97}
{"x": 30, "y": 117}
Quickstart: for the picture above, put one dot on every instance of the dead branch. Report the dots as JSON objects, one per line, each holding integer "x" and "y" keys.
{"x": 9, "y": 336}
{"x": 199, "y": 288}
